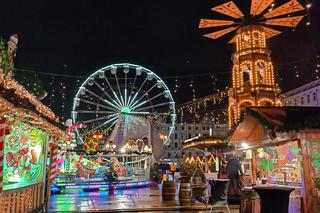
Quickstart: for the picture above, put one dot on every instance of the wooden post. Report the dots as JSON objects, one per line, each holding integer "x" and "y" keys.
{"x": 254, "y": 167}
{"x": 52, "y": 172}
{"x": 306, "y": 174}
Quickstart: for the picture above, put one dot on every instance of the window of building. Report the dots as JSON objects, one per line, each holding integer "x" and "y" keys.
{"x": 182, "y": 137}
{"x": 182, "y": 128}
{"x": 208, "y": 128}
{"x": 169, "y": 155}
{"x": 203, "y": 128}
{"x": 295, "y": 102}
{"x": 189, "y": 136}
{"x": 302, "y": 100}
{"x": 189, "y": 128}
{"x": 308, "y": 98}
{"x": 175, "y": 145}
{"x": 314, "y": 96}
{"x": 196, "y": 128}
{"x": 175, "y": 136}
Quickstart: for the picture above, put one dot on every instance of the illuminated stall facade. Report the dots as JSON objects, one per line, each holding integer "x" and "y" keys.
{"x": 27, "y": 127}
{"x": 281, "y": 145}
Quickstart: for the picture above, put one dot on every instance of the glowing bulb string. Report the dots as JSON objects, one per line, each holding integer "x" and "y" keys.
{"x": 163, "y": 77}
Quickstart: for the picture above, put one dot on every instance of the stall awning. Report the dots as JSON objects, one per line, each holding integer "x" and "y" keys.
{"x": 261, "y": 123}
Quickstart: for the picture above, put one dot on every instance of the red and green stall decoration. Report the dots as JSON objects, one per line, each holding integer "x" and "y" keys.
{"x": 24, "y": 156}
{"x": 3, "y": 132}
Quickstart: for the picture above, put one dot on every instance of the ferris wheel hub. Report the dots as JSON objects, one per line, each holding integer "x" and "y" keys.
{"x": 125, "y": 110}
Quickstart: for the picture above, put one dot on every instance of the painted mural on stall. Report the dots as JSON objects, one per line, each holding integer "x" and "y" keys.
{"x": 23, "y": 156}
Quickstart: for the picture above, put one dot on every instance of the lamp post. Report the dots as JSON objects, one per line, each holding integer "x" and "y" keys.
{"x": 98, "y": 137}
{"x": 110, "y": 147}
{"x": 163, "y": 137}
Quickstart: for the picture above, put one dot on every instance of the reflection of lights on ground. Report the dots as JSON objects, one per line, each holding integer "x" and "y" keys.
{"x": 86, "y": 205}
{"x": 102, "y": 200}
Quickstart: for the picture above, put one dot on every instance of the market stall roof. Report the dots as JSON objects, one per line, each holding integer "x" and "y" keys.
{"x": 202, "y": 142}
{"x": 16, "y": 94}
{"x": 29, "y": 117}
{"x": 259, "y": 124}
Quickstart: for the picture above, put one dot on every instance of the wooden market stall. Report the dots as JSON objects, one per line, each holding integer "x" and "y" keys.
{"x": 27, "y": 127}
{"x": 281, "y": 147}
{"x": 212, "y": 148}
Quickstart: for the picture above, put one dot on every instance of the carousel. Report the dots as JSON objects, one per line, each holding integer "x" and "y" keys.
{"x": 111, "y": 142}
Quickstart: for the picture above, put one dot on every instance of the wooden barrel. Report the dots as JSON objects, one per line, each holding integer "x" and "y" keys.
{"x": 168, "y": 191}
{"x": 185, "y": 193}
{"x": 184, "y": 179}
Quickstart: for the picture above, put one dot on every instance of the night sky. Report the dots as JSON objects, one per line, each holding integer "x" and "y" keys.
{"x": 76, "y": 37}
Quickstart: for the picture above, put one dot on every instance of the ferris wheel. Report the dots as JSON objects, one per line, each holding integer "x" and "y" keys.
{"x": 118, "y": 91}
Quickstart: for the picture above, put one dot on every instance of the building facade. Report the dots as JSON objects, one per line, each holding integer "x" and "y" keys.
{"x": 306, "y": 95}
{"x": 184, "y": 131}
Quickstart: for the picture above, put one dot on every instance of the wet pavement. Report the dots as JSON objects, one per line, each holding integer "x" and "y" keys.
{"x": 129, "y": 200}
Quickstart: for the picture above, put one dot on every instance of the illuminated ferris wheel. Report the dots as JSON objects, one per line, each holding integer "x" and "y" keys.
{"x": 119, "y": 96}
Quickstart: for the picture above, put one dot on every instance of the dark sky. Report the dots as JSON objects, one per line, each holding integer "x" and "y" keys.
{"x": 76, "y": 37}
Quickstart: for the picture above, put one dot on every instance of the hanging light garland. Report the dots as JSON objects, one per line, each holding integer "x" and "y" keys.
{"x": 197, "y": 104}
{"x": 25, "y": 94}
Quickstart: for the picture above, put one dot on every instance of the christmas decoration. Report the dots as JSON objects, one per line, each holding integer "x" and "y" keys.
{"x": 253, "y": 80}
{"x": 7, "y": 54}
{"x": 32, "y": 83}
{"x": 70, "y": 131}
{"x": 3, "y": 132}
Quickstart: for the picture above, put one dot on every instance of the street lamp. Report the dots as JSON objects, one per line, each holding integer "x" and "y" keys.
{"x": 163, "y": 137}
{"x": 97, "y": 136}
{"x": 110, "y": 147}
{"x": 126, "y": 148}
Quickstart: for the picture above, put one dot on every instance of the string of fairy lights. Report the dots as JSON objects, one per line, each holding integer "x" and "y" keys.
{"x": 61, "y": 88}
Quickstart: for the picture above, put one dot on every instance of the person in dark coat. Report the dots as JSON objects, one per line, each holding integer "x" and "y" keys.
{"x": 234, "y": 171}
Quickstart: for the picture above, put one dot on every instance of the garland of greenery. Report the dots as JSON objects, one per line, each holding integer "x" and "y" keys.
{"x": 5, "y": 63}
